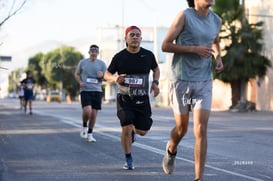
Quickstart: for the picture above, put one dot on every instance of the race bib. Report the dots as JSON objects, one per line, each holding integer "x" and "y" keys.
{"x": 135, "y": 85}
{"x": 134, "y": 82}
{"x": 29, "y": 86}
{"x": 92, "y": 81}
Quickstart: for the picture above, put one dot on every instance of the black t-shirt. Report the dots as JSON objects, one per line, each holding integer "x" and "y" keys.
{"x": 137, "y": 68}
{"x": 28, "y": 83}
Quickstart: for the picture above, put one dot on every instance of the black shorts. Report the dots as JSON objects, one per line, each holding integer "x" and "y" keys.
{"x": 91, "y": 98}
{"x": 134, "y": 110}
{"x": 28, "y": 95}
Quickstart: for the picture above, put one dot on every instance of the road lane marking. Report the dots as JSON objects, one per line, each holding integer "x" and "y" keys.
{"x": 76, "y": 123}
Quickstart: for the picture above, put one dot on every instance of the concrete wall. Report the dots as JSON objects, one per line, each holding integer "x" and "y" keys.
{"x": 262, "y": 10}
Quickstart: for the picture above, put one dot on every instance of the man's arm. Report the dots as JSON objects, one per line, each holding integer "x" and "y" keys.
{"x": 108, "y": 76}
{"x": 154, "y": 86}
{"x": 175, "y": 29}
{"x": 156, "y": 73}
{"x": 217, "y": 55}
{"x": 78, "y": 79}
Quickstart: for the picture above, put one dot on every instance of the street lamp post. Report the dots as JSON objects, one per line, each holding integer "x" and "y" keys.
{"x": 122, "y": 25}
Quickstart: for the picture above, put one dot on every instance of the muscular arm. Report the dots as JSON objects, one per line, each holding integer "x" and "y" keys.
{"x": 175, "y": 29}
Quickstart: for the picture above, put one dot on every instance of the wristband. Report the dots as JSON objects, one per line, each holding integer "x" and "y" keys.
{"x": 155, "y": 82}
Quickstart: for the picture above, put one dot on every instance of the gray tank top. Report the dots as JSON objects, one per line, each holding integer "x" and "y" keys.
{"x": 198, "y": 30}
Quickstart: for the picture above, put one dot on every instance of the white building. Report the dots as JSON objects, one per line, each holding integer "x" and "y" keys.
{"x": 4, "y": 73}
{"x": 261, "y": 90}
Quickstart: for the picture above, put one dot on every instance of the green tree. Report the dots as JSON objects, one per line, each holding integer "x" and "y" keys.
{"x": 69, "y": 61}
{"x": 34, "y": 65}
{"x": 15, "y": 77}
{"x": 59, "y": 66}
{"x": 243, "y": 59}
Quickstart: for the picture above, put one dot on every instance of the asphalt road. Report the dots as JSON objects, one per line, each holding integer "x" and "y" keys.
{"x": 46, "y": 146}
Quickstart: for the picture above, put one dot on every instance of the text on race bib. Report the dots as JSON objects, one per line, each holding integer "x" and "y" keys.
{"x": 133, "y": 81}
{"x": 92, "y": 81}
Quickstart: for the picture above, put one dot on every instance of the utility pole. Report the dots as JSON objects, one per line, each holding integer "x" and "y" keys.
{"x": 122, "y": 26}
{"x": 243, "y": 81}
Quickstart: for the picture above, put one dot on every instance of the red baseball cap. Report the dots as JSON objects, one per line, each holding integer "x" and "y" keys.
{"x": 130, "y": 28}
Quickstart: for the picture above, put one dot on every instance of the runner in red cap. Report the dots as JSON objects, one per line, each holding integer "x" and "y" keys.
{"x": 133, "y": 65}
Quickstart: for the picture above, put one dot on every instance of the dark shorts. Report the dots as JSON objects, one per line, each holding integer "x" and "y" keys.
{"x": 91, "y": 98}
{"x": 134, "y": 110}
{"x": 28, "y": 95}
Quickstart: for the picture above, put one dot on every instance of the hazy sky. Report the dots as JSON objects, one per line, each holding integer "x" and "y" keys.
{"x": 67, "y": 20}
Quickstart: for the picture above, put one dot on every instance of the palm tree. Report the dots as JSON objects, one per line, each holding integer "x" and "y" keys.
{"x": 243, "y": 59}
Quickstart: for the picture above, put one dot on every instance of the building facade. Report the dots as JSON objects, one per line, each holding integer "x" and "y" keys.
{"x": 260, "y": 91}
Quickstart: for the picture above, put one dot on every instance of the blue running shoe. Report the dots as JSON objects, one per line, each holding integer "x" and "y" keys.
{"x": 129, "y": 164}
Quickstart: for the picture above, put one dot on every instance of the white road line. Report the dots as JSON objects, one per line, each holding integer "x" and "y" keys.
{"x": 75, "y": 123}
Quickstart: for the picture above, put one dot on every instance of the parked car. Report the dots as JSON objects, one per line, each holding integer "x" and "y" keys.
{"x": 40, "y": 97}
{"x": 54, "y": 96}
{"x": 12, "y": 95}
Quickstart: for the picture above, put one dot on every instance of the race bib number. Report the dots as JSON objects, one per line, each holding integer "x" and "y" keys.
{"x": 135, "y": 85}
{"x": 92, "y": 81}
{"x": 29, "y": 86}
{"x": 134, "y": 82}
